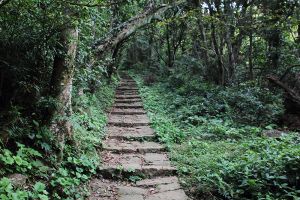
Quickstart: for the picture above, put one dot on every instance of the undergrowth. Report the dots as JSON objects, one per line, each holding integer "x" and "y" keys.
{"x": 219, "y": 156}
{"x": 45, "y": 178}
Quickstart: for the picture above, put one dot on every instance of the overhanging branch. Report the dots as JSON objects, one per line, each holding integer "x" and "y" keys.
{"x": 125, "y": 30}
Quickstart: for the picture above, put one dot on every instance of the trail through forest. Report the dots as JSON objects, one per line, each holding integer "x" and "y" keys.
{"x": 150, "y": 99}
{"x": 131, "y": 152}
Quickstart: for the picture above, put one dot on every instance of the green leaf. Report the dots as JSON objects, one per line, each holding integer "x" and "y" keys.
{"x": 39, "y": 187}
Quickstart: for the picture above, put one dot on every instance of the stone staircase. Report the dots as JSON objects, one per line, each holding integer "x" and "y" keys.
{"x": 132, "y": 152}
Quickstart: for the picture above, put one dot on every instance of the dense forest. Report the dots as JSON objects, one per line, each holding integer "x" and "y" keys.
{"x": 219, "y": 80}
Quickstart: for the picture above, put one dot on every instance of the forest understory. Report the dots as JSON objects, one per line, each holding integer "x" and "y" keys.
{"x": 218, "y": 79}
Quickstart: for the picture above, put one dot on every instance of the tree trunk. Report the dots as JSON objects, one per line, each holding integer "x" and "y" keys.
{"x": 220, "y": 68}
{"x": 251, "y": 46}
{"x": 231, "y": 56}
{"x": 251, "y": 56}
{"x": 125, "y": 30}
{"x": 228, "y": 37}
{"x": 121, "y": 33}
{"x": 169, "y": 53}
{"x": 61, "y": 86}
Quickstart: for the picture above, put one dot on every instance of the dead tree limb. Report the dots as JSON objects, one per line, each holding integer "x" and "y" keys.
{"x": 292, "y": 95}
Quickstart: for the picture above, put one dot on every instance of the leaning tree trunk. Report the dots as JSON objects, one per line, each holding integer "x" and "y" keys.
{"x": 61, "y": 86}
{"x": 117, "y": 36}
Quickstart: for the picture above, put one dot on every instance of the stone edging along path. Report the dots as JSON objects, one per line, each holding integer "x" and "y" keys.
{"x": 131, "y": 152}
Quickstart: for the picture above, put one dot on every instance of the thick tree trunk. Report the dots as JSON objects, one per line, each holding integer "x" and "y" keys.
{"x": 61, "y": 86}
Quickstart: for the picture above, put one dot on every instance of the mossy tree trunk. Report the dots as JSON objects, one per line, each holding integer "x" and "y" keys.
{"x": 61, "y": 86}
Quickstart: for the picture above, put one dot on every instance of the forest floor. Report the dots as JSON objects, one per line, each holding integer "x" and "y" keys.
{"x": 135, "y": 166}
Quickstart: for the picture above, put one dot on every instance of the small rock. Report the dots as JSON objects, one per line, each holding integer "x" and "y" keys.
{"x": 273, "y": 133}
{"x": 18, "y": 180}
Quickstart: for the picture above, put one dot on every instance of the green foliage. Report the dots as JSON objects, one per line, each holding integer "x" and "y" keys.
{"x": 25, "y": 160}
{"x": 216, "y": 156}
{"x": 246, "y": 104}
{"x": 68, "y": 181}
{"x": 89, "y": 118}
{"x": 8, "y": 192}
{"x": 135, "y": 178}
{"x": 267, "y": 167}
{"x": 253, "y": 168}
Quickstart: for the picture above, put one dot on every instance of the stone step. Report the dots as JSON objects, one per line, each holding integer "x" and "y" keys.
{"x": 128, "y": 105}
{"x": 127, "y": 80}
{"x": 160, "y": 188}
{"x": 122, "y": 146}
{"x": 126, "y": 88}
{"x": 128, "y": 120}
{"x": 131, "y": 133}
{"x": 127, "y": 93}
{"x": 127, "y": 96}
{"x": 128, "y": 111}
{"x": 124, "y": 165}
{"x": 127, "y": 84}
{"x": 128, "y": 100}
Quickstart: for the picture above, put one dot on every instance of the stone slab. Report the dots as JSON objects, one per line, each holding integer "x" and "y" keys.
{"x": 125, "y": 159}
{"x": 125, "y": 88}
{"x": 150, "y": 164}
{"x": 127, "y": 96}
{"x": 137, "y": 132}
{"x": 128, "y": 111}
{"x": 105, "y": 189}
{"x": 125, "y": 92}
{"x": 128, "y": 100}
{"x": 128, "y": 105}
{"x": 128, "y": 120}
{"x": 123, "y": 146}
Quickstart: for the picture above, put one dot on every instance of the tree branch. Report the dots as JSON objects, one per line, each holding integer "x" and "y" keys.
{"x": 3, "y": 3}
{"x": 291, "y": 93}
{"x": 125, "y": 30}
{"x": 96, "y": 4}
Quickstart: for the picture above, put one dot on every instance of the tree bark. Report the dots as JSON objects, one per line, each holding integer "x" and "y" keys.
{"x": 61, "y": 86}
{"x": 118, "y": 35}
{"x": 125, "y": 30}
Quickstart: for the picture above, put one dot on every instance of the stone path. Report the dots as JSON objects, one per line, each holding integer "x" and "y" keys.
{"x": 131, "y": 152}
